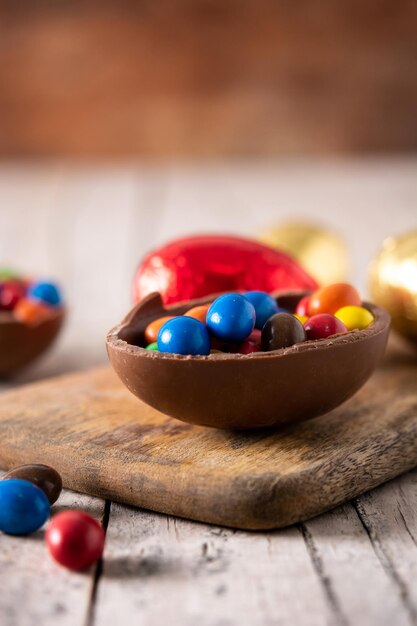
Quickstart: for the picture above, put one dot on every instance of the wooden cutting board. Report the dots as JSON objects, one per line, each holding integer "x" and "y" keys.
{"x": 107, "y": 443}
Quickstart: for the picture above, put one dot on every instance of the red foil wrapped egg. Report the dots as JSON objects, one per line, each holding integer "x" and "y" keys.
{"x": 194, "y": 267}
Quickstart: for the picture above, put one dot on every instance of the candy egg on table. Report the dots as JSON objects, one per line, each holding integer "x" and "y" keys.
{"x": 31, "y": 316}
{"x": 231, "y": 317}
{"x": 24, "y": 507}
{"x": 250, "y": 390}
{"x": 43, "y": 476}
{"x": 75, "y": 539}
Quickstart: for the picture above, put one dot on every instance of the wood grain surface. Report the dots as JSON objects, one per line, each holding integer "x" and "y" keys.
{"x": 107, "y": 443}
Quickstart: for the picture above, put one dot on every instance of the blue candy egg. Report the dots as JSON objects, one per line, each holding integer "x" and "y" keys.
{"x": 231, "y": 317}
{"x": 184, "y": 335}
{"x": 265, "y": 306}
{"x": 45, "y": 292}
{"x": 24, "y": 507}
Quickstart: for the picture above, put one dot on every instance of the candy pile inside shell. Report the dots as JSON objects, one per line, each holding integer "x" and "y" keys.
{"x": 31, "y": 315}
{"x": 230, "y": 322}
{"x": 274, "y": 376}
{"x": 194, "y": 267}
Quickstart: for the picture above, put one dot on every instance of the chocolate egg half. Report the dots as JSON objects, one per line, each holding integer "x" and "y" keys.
{"x": 22, "y": 343}
{"x": 240, "y": 391}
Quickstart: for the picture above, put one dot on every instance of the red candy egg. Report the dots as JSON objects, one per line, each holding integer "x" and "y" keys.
{"x": 75, "y": 539}
{"x": 302, "y": 307}
{"x": 323, "y": 325}
{"x": 11, "y": 291}
{"x": 332, "y": 298}
{"x": 255, "y": 336}
{"x": 194, "y": 267}
{"x": 247, "y": 347}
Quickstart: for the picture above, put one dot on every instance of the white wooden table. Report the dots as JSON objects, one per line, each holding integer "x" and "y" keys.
{"x": 88, "y": 226}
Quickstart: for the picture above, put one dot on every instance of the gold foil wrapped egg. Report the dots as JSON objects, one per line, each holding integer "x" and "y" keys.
{"x": 393, "y": 282}
{"x": 322, "y": 253}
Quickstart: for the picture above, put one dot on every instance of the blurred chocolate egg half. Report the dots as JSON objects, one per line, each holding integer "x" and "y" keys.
{"x": 21, "y": 343}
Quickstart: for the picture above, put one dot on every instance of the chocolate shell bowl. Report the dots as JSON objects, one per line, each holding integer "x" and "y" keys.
{"x": 237, "y": 391}
{"x": 21, "y": 343}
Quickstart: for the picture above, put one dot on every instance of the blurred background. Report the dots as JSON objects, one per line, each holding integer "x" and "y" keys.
{"x": 125, "y": 124}
{"x": 170, "y": 78}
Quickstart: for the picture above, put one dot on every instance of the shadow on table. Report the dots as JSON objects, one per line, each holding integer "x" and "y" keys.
{"x": 139, "y": 566}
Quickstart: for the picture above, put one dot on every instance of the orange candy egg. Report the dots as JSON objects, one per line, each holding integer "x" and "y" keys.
{"x": 152, "y": 330}
{"x": 332, "y": 298}
{"x": 32, "y": 312}
{"x": 199, "y": 312}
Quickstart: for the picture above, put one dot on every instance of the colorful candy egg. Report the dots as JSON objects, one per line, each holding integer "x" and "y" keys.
{"x": 199, "y": 312}
{"x": 152, "y": 330}
{"x": 264, "y": 304}
{"x": 184, "y": 335}
{"x": 32, "y": 312}
{"x": 323, "y": 325}
{"x": 355, "y": 317}
{"x": 45, "y": 292}
{"x": 301, "y": 318}
{"x": 43, "y": 476}
{"x": 24, "y": 507}
{"x": 282, "y": 330}
{"x": 11, "y": 292}
{"x": 332, "y": 298}
{"x": 75, "y": 539}
{"x": 302, "y": 307}
{"x": 231, "y": 317}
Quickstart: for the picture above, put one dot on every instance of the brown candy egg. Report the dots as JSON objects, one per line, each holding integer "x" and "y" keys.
{"x": 43, "y": 476}
{"x": 282, "y": 330}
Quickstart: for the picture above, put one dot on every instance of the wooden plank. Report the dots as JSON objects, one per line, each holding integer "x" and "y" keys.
{"x": 35, "y": 589}
{"x": 157, "y": 568}
{"x": 358, "y": 587}
{"x": 389, "y": 516}
{"x": 107, "y": 443}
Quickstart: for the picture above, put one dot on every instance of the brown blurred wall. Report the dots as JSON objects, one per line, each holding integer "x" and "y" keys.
{"x": 165, "y": 78}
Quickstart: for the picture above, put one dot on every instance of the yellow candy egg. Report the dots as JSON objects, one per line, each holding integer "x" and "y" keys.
{"x": 355, "y": 317}
{"x": 301, "y": 318}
